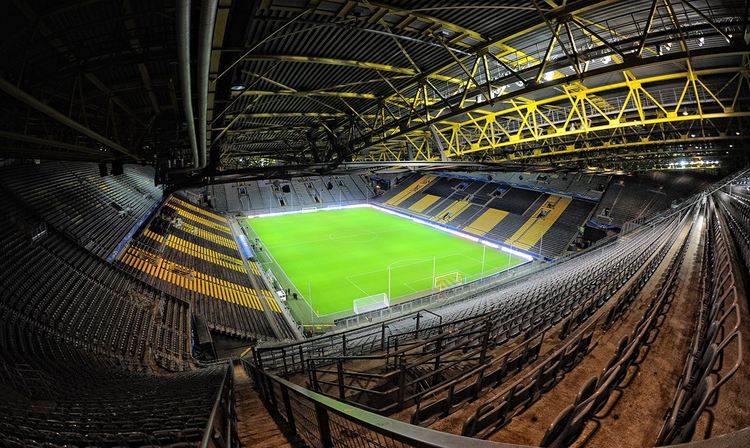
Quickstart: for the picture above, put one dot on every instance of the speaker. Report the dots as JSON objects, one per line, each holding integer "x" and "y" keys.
{"x": 285, "y": 188}
{"x": 102, "y": 169}
{"x": 116, "y": 168}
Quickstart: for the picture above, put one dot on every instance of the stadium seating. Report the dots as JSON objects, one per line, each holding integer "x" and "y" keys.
{"x": 77, "y": 399}
{"x": 735, "y": 204}
{"x": 65, "y": 289}
{"x": 539, "y": 222}
{"x": 96, "y": 211}
{"x": 305, "y": 192}
{"x": 198, "y": 261}
{"x": 632, "y": 197}
{"x": 576, "y": 184}
{"x": 716, "y": 350}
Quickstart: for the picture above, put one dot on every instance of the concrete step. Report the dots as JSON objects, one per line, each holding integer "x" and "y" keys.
{"x": 255, "y": 426}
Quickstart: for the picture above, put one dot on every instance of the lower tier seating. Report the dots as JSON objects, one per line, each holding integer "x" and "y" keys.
{"x": 190, "y": 253}
{"x": 49, "y": 280}
{"x": 59, "y": 394}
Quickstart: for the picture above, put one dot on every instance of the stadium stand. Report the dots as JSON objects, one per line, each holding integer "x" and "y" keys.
{"x": 632, "y": 197}
{"x": 501, "y": 212}
{"x": 584, "y": 185}
{"x": 190, "y": 252}
{"x": 76, "y": 398}
{"x": 408, "y": 188}
{"x": 49, "y": 279}
{"x": 303, "y": 192}
{"x": 734, "y": 201}
{"x": 97, "y": 211}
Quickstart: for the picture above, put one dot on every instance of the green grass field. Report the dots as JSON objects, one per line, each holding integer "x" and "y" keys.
{"x": 333, "y": 257}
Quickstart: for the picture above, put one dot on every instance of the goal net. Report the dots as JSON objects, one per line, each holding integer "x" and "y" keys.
{"x": 371, "y": 303}
{"x": 447, "y": 280}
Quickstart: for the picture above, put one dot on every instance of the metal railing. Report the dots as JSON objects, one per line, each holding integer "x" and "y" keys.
{"x": 322, "y": 422}
{"x": 221, "y": 428}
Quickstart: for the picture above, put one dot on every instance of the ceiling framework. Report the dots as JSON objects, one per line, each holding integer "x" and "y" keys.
{"x": 88, "y": 81}
{"x": 325, "y": 83}
{"x": 569, "y": 78}
{"x": 695, "y": 104}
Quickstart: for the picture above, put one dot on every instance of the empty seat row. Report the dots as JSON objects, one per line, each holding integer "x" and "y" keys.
{"x": 78, "y": 398}
{"x": 96, "y": 211}
{"x": 715, "y": 352}
{"x": 54, "y": 282}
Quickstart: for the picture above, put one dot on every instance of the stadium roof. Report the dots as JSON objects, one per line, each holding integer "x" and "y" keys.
{"x": 316, "y": 83}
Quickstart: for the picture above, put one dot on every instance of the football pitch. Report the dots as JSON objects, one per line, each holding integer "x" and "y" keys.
{"x": 332, "y": 257}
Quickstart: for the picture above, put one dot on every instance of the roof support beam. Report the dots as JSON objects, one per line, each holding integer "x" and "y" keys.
{"x": 347, "y": 63}
{"x": 58, "y": 45}
{"x": 135, "y": 44}
{"x": 646, "y": 30}
{"x": 320, "y": 115}
{"x": 96, "y": 82}
{"x": 146, "y": 78}
{"x": 46, "y": 142}
{"x": 363, "y": 96}
{"x": 34, "y": 103}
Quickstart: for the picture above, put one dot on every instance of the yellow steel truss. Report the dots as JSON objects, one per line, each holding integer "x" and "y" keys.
{"x": 573, "y": 120}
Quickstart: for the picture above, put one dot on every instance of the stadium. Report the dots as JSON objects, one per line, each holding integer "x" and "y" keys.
{"x": 354, "y": 223}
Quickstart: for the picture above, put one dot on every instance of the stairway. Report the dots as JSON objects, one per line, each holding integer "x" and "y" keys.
{"x": 256, "y": 427}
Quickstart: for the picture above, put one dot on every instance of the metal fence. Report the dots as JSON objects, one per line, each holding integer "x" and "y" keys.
{"x": 221, "y": 428}
{"x": 322, "y": 422}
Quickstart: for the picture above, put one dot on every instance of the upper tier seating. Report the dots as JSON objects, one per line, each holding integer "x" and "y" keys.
{"x": 96, "y": 211}
{"x": 288, "y": 194}
{"x": 580, "y": 184}
{"x": 633, "y": 197}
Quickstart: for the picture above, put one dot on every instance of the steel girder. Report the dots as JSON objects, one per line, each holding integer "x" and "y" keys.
{"x": 697, "y": 104}
{"x": 521, "y": 101}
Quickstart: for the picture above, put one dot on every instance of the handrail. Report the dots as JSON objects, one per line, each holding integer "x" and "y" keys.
{"x": 405, "y": 433}
{"x": 225, "y": 394}
{"x": 289, "y": 401}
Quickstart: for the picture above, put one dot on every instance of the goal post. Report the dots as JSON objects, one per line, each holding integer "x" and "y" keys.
{"x": 371, "y": 303}
{"x": 447, "y": 280}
